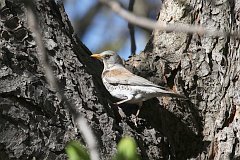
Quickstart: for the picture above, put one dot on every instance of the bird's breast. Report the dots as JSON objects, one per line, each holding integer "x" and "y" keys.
{"x": 118, "y": 91}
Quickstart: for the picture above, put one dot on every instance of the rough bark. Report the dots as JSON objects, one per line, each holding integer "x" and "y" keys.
{"x": 206, "y": 69}
{"x": 34, "y": 124}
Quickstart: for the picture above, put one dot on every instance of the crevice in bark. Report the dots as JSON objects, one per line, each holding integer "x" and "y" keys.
{"x": 230, "y": 116}
{"x": 14, "y": 121}
{"x": 225, "y": 53}
{"x": 171, "y": 78}
{"x": 22, "y": 101}
{"x": 235, "y": 143}
{"x": 232, "y": 7}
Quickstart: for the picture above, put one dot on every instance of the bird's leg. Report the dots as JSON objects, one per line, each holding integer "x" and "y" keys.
{"x": 138, "y": 111}
{"x": 120, "y": 111}
{"x": 123, "y": 101}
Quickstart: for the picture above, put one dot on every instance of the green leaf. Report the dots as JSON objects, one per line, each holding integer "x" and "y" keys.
{"x": 127, "y": 149}
{"x": 76, "y": 151}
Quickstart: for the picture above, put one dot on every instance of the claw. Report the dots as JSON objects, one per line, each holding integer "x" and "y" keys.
{"x": 136, "y": 116}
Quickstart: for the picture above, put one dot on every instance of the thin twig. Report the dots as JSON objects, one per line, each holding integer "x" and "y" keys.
{"x": 131, "y": 29}
{"x": 82, "y": 24}
{"x": 43, "y": 58}
{"x": 176, "y": 27}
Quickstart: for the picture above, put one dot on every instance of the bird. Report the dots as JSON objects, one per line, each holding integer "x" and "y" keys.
{"x": 126, "y": 86}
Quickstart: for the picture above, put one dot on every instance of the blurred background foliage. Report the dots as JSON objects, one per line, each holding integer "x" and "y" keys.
{"x": 126, "y": 150}
{"x": 100, "y": 29}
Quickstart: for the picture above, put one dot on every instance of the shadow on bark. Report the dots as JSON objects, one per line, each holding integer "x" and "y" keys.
{"x": 178, "y": 136}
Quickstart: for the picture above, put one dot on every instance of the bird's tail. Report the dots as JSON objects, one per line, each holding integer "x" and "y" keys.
{"x": 172, "y": 94}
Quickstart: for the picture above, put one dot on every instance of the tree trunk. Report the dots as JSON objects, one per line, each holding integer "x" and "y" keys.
{"x": 33, "y": 124}
{"x": 206, "y": 69}
{"x": 32, "y": 121}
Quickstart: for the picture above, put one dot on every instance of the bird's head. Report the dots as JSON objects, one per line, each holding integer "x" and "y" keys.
{"x": 109, "y": 58}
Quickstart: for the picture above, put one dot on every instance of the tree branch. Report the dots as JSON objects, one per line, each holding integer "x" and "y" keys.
{"x": 131, "y": 29}
{"x": 43, "y": 59}
{"x": 176, "y": 27}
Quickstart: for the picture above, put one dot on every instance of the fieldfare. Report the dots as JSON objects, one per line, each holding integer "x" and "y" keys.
{"x": 126, "y": 86}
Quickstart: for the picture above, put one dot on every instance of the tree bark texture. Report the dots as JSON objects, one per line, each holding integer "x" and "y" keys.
{"x": 34, "y": 124}
{"x": 206, "y": 69}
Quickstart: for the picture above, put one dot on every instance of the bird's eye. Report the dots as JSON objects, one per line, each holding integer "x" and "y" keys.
{"x": 107, "y": 56}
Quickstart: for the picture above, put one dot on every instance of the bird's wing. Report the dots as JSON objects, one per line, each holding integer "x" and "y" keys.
{"x": 125, "y": 77}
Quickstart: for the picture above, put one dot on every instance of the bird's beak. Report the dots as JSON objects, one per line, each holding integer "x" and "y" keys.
{"x": 97, "y": 56}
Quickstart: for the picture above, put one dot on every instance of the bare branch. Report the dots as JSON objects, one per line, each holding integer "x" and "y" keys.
{"x": 176, "y": 27}
{"x": 81, "y": 25}
{"x": 131, "y": 29}
{"x": 43, "y": 58}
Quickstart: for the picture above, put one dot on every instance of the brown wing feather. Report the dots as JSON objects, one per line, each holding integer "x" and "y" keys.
{"x": 125, "y": 77}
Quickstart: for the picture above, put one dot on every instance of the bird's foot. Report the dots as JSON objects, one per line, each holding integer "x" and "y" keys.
{"x": 116, "y": 103}
{"x": 134, "y": 119}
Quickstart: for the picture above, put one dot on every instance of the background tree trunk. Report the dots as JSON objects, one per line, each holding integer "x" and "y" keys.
{"x": 204, "y": 68}
{"x": 34, "y": 124}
